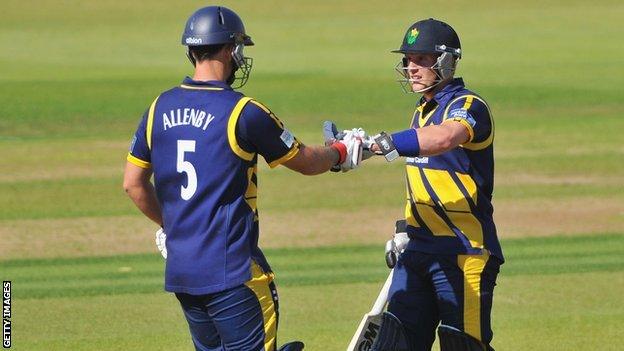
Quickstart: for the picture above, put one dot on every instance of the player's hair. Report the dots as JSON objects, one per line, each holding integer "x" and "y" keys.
{"x": 205, "y": 52}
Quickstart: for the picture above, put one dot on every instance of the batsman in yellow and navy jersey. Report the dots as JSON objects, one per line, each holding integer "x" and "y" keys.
{"x": 446, "y": 273}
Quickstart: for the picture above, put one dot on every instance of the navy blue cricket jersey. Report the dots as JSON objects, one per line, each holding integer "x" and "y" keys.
{"x": 449, "y": 196}
{"x": 202, "y": 141}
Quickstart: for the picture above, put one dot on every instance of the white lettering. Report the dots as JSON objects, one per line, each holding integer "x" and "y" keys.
{"x": 194, "y": 120}
{"x": 178, "y": 117}
{"x": 208, "y": 120}
{"x": 187, "y": 118}
{"x": 166, "y": 122}
{"x": 193, "y": 40}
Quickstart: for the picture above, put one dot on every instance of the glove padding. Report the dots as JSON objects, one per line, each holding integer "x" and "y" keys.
{"x": 332, "y": 135}
{"x": 394, "y": 247}
{"x": 353, "y": 143}
{"x": 161, "y": 239}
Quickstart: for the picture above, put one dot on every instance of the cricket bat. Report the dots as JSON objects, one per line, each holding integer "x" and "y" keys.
{"x": 369, "y": 326}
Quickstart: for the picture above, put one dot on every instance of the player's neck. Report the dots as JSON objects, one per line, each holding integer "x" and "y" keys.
{"x": 210, "y": 70}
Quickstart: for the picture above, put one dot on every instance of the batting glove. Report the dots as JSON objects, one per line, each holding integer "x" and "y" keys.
{"x": 161, "y": 239}
{"x": 396, "y": 245}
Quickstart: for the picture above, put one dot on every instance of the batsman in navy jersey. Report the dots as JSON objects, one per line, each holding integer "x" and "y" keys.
{"x": 201, "y": 141}
{"x": 447, "y": 270}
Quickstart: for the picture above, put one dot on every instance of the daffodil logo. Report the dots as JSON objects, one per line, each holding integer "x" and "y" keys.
{"x": 412, "y": 35}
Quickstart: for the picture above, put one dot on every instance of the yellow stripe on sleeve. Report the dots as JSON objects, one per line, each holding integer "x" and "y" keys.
{"x": 138, "y": 162}
{"x": 472, "y": 266}
{"x": 231, "y": 130}
{"x": 465, "y": 124}
{"x": 259, "y": 284}
{"x": 271, "y": 114}
{"x": 469, "y": 100}
{"x": 294, "y": 151}
{"x": 150, "y": 123}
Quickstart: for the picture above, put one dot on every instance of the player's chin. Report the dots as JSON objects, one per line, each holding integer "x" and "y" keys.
{"x": 419, "y": 86}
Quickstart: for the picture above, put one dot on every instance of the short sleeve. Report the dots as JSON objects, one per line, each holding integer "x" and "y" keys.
{"x": 259, "y": 130}
{"x": 474, "y": 114}
{"x": 139, "y": 153}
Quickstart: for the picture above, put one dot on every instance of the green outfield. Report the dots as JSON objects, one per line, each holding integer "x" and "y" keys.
{"x": 76, "y": 76}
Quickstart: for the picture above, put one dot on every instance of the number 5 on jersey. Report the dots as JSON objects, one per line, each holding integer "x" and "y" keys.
{"x": 186, "y": 167}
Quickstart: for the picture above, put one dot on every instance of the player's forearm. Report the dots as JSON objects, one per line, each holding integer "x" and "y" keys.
{"x": 435, "y": 140}
{"x": 312, "y": 160}
{"x": 430, "y": 140}
{"x": 144, "y": 197}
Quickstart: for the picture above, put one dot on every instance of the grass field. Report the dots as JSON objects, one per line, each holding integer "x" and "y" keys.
{"x": 75, "y": 77}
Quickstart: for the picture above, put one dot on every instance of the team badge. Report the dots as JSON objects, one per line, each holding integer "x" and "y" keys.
{"x": 412, "y": 35}
{"x": 460, "y": 113}
{"x": 287, "y": 138}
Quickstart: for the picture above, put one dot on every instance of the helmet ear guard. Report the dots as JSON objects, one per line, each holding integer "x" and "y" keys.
{"x": 241, "y": 63}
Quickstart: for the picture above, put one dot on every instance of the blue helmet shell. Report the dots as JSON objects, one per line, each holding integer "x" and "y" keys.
{"x": 215, "y": 25}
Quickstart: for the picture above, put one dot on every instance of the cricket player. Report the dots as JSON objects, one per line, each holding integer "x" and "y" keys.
{"x": 447, "y": 273}
{"x": 201, "y": 140}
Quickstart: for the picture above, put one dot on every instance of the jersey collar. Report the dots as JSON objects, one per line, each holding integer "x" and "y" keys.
{"x": 206, "y": 83}
{"x": 449, "y": 91}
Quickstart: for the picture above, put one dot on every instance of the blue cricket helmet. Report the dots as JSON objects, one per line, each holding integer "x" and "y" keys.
{"x": 215, "y": 25}
{"x": 430, "y": 36}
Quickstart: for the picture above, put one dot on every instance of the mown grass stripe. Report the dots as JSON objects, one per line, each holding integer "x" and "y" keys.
{"x": 91, "y": 276}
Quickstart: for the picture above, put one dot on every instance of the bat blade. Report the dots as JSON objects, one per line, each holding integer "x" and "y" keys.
{"x": 369, "y": 326}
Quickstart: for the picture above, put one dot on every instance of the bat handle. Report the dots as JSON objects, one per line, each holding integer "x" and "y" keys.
{"x": 380, "y": 303}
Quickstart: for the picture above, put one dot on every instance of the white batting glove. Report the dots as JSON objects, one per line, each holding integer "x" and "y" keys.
{"x": 353, "y": 143}
{"x": 161, "y": 239}
{"x": 367, "y": 142}
{"x": 394, "y": 247}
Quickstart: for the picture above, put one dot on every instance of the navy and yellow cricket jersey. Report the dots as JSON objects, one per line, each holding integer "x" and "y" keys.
{"x": 449, "y": 196}
{"x": 202, "y": 141}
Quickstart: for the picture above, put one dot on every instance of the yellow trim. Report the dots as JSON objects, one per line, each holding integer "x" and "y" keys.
{"x": 294, "y": 151}
{"x": 465, "y": 124}
{"x": 251, "y": 193}
{"x": 198, "y": 88}
{"x": 422, "y": 120}
{"x": 138, "y": 162}
{"x": 231, "y": 130}
{"x": 469, "y": 145}
{"x": 472, "y": 266}
{"x": 468, "y": 102}
{"x": 413, "y": 117}
{"x": 259, "y": 284}
{"x": 150, "y": 123}
{"x": 271, "y": 114}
